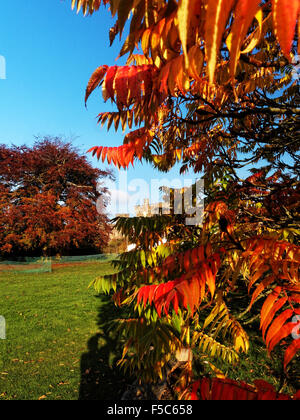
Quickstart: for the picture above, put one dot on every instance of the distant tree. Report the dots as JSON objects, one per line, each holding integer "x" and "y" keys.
{"x": 116, "y": 246}
{"x": 48, "y": 201}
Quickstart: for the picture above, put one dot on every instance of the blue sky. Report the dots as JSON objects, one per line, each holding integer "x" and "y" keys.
{"x": 50, "y": 54}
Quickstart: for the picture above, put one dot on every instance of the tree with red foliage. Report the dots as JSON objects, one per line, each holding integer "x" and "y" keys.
{"x": 48, "y": 201}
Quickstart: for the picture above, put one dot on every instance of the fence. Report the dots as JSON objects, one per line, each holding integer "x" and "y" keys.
{"x": 45, "y": 265}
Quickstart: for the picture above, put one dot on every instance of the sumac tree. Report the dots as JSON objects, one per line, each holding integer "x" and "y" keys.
{"x": 48, "y": 201}
{"x": 213, "y": 89}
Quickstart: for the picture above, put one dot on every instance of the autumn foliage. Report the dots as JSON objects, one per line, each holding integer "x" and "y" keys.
{"x": 227, "y": 390}
{"x": 212, "y": 88}
{"x": 48, "y": 201}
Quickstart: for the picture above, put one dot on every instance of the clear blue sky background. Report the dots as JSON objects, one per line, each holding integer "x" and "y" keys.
{"x": 50, "y": 54}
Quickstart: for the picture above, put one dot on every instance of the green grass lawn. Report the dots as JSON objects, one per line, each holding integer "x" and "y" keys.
{"x": 57, "y": 346}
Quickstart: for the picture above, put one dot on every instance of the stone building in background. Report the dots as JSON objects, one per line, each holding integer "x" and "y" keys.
{"x": 118, "y": 243}
{"x": 148, "y": 210}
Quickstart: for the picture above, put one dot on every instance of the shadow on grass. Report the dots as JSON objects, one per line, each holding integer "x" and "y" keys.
{"x": 101, "y": 378}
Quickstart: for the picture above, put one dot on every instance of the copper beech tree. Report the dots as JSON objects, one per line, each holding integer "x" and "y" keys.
{"x": 48, "y": 201}
{"x": 211, "y": 85}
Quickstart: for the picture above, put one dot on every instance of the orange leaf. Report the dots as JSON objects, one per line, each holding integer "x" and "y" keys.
{"x": 187, "y": 10}
{"x": 104, "y": 153}
{"x": 210, "y": 279}
{"x": 195, "y": 291}
{"x": 244, "y": 15}
{"x": 285, "y": 14}
{"x": 269, "y": 302}
{"x": 188, "y": 301}
{"x": 258, "y": 274}
{"x": 284, "y": 332}
{"x": 183, "y": 14}
{"x": 95, "y": 80}
{"x": 94, "y": 150}
{"x": 261, "y": 287}
{"x": 133, "y": 85}
{"x": 216, "y": 18}
{"x": 99, "y": 151}
{"x": 291, "y": 352}
{"x": 163, "y": 78}
{"x": 196, "y": 61}
{"x": 278, "y": 324}
{"x": 276, "y": 307}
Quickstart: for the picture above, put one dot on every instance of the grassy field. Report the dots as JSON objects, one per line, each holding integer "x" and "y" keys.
{"x": 57, "y": 345}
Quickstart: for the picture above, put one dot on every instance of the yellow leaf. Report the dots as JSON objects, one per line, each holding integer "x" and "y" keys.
{"x": 239, "y": 344}
{"x": 146, "y": 42}
{"x": 183, "y": 22}
{"x": 179, "y": 154}
{"x": 218, "y": 373}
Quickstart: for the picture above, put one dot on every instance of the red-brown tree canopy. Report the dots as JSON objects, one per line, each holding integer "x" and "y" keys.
{"x": 48, "y": 200}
